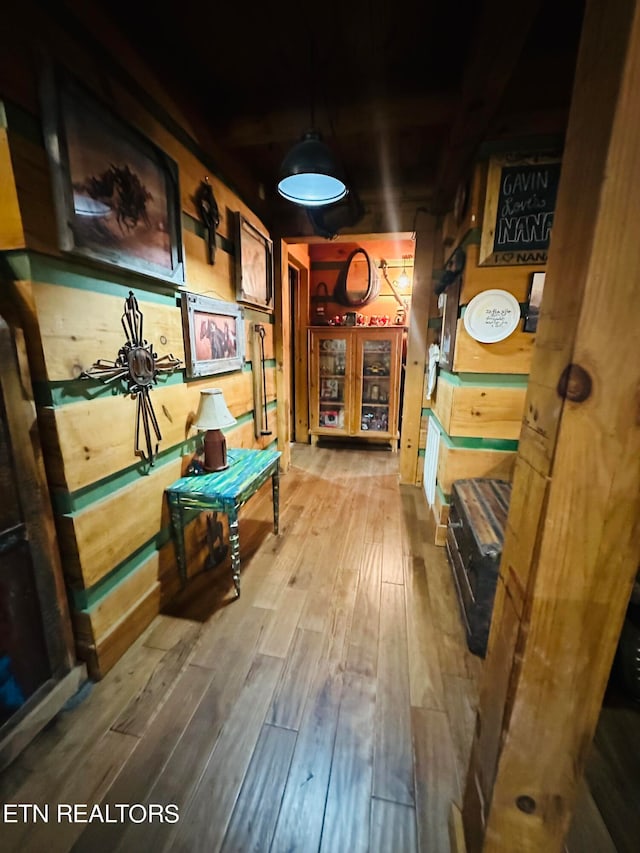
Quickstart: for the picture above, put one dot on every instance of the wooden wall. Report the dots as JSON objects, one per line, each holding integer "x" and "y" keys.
{"x": 327, "y": 259}
{"x": 111, "y": 515}
{"x": 479, "y": 404}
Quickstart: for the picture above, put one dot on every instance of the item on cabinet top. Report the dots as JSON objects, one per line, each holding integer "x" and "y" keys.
{"x": 492, "y": 316}
{"x": 319, "y": 300}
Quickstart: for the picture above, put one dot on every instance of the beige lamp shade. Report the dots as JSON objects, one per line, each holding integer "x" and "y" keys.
{"x": 212, "y": 411}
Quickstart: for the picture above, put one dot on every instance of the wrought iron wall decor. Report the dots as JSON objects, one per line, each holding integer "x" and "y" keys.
{"x": 137, "y": 365}
{"x": 209, "y": 215}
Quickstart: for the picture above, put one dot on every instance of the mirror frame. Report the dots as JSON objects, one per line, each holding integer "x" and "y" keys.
{"x": 341, "y": 294}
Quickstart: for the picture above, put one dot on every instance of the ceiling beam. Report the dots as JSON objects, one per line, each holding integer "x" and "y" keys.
{"x": 346, "y": 120}
{"x": 499, "y": 38}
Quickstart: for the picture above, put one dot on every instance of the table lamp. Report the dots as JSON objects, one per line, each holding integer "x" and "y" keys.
{"x": 212, "y": 416}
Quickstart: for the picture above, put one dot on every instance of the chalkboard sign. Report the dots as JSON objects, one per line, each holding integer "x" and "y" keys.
{"x": 519, "y": 209}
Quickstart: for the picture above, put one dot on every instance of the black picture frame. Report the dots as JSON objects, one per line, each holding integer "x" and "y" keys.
{"x": 116, "y": 193}
{"x": 214, "y": 336}
{"x": 253, "y": 265}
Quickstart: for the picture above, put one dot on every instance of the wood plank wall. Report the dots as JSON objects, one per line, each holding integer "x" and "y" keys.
{"x": 327, "y": 259}
{"x": 479, "y": 404}
{"x": 112, "y": 521}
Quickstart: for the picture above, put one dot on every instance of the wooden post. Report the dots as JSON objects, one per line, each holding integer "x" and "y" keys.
{"x": 572, "y": 543}
{"x": 417, "y": 349}
{"x": 282, "y": 346}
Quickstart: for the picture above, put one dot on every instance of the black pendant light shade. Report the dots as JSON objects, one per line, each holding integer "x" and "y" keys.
{"x": 310, "y": 174}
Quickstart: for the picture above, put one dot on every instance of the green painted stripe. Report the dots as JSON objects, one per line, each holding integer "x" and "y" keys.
{"x": 497, "y": 380}
{"x": 464, "y": 443}
{"x": 86, "y": 599}
{"x": 434, "y": 323}
{"x": 71, "y": 503}
{"x": 443, "y": 498}
{"x": 194, "y": 226}
{"x": 33, "y": 266}
{"x": 62, "y": 393}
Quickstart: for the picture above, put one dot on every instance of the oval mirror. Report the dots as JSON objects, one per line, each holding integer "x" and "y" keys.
{"x": 358, "y": 282}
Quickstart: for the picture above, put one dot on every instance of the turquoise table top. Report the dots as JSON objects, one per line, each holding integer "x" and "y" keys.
{"x": 245, "y": 467}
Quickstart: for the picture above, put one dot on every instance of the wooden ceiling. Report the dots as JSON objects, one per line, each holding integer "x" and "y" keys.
{"x": 405, "y": 93}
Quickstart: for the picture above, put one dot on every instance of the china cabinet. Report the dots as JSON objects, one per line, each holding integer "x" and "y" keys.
{"x": 354, "y": 382}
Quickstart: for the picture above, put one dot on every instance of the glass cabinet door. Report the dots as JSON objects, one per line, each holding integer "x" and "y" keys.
{"x": 377, "y": 375}
{"x": 332, "y": 391}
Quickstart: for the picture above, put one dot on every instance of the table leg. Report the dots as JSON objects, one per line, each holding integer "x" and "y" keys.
{"x": 177, "y": 525}
{"x": 234, "y": 541}
{"x": 275, "y": 488}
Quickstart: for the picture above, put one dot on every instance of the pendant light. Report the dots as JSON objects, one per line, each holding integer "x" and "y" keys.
{"x": 403, "y": 278}
{"x": 310, "y": 174}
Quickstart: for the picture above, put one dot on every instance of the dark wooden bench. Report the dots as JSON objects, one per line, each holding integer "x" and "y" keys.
{"x": 475, "y": 534}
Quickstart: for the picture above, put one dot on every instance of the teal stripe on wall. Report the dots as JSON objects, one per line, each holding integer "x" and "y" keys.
{"x": 443, "y": 498}
{"x": 472, "y": 443}
{"x": 28, "y": 265}
{"x": 86, "y": 599}
{"x": 65, "y": 392}
{"x": 70, "y": 503}
{"x": 497, "y": 380}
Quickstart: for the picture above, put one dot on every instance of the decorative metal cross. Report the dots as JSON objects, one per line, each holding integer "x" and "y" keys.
{"x": 138, "y": 365}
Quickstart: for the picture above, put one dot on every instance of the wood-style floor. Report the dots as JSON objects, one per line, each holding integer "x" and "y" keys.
{"x": 328, "y": 709}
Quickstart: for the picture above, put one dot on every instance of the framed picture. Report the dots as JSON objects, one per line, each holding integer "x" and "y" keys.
{"x": 213, "y": 335}
{"x": 535, "y": 298}
{"x": 254, "y": 265}
{"x": 116, "y": 193}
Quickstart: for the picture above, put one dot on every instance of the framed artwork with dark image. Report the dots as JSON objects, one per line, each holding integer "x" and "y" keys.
{"x": 535, "y": 298}
{"x": 213, "y": 335}
{"x": 116, "y": 193}
{"x": 254, "y": 265}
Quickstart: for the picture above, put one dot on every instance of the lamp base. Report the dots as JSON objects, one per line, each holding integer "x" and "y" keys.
{"x": 215, "y": 451}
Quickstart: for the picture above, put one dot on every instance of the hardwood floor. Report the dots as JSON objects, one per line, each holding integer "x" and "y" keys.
{"x": 328, "y": 709}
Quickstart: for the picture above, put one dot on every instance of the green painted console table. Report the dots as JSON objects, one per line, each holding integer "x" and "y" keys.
{"x": 224, "y": 491}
